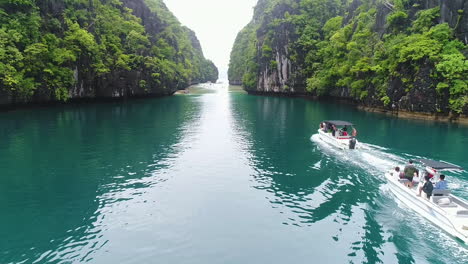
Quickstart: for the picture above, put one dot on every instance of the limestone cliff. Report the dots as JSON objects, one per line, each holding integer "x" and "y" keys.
{"x": 392, "y": 54}
{"x": 59, "y": 50}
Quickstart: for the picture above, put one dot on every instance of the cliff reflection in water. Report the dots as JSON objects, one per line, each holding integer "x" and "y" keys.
{"x": 215, "y": 176}
{"x": 53, "y": 196}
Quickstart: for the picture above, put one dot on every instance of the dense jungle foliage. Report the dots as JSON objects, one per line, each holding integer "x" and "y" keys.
{"x": 45, "y": 46}
{"x": 364, "y": 47}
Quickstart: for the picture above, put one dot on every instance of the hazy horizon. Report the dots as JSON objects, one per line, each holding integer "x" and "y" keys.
{"x": 216, "y": 24}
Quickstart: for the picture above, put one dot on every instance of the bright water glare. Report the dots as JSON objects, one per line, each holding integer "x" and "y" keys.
{"x": 215, "y": 176}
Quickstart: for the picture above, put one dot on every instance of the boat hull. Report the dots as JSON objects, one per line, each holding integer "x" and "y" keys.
{"x": 342, "y": 143}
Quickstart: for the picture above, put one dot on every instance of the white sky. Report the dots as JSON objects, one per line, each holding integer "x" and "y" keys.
{"x": 216, "y": 23}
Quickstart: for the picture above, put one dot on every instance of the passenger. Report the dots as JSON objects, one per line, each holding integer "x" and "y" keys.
{"x": 321, "y": 126}
{"x": 441, "y": 184}
{"x": 427, "y": 187}
{"x": 341, "y": 132}
{"x": 410, "y": 171}
{"x": 399, "y": 173}
{"x": 345, "y": 131}
{"x": 333, "y": 130}
{"x": 354, "y": 132}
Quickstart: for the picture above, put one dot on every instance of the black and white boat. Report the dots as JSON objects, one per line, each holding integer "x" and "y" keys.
{"x": 340, "y": 134}
{"x": 445, "y": 210}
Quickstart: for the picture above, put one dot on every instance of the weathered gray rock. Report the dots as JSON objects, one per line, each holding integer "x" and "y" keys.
{"x": 276, "y": 72}
{"x": 450, "y": 11}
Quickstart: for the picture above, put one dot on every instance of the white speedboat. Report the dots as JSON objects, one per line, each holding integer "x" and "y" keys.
{"x": 340, "y": 134}
{"x": 444, "y": 209}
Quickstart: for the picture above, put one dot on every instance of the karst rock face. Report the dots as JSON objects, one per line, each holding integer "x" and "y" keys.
{"x": 391, "y": 54}
{"x": 61, "y": 50}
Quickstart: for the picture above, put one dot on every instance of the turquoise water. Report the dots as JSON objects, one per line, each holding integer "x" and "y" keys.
{"x": 216, "y": 176}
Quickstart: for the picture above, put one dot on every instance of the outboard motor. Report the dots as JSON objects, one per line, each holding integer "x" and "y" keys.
{"x": 352, "y": 143}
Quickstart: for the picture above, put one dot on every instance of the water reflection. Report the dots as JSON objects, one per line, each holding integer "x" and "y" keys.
{"x": 207, "y": 177}
{"x": 307, "y": 186}
{"x": 312, "y": 186}
{"x": 53, "y": 195}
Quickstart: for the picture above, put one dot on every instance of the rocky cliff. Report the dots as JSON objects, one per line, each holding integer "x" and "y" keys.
{"x": 391, "y": 54}
{"x": 59, "y": 50}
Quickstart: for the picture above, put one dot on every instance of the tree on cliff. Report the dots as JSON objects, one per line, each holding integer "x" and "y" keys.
{"x": 404, "y": 52}
{"x": 54, "y": 50}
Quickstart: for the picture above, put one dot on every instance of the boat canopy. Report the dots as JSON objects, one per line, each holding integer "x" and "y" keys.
{"x": 439, "y": 165}
{"x": 338, "y": 123}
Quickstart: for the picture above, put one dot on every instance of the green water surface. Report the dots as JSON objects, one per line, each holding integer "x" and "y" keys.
{"x": 214, "y": 177}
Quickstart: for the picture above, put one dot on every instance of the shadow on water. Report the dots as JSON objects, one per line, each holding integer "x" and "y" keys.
{"x": 60, "y": 166}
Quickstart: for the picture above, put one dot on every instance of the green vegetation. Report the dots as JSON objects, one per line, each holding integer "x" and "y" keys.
{"x": 243, "y": 66}
{"x": 47, "y": 46}
{"x": 336, "y": 46}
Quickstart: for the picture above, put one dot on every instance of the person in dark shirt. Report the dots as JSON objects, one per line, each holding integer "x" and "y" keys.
{"x": 427, "y": 187}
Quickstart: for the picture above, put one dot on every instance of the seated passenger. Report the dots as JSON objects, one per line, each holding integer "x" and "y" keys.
{"x": 399, "y": 174}
{"x": 342, "y": 132}
{"x": 441, "y": 184}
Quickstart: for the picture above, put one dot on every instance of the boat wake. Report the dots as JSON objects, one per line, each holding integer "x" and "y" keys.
{"x": 372, "y": 158}
{"x": 378, "y": 160}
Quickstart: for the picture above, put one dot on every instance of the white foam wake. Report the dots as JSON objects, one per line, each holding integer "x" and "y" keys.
{"x": 378, "y": 160}
{"x": 372, "y": 158}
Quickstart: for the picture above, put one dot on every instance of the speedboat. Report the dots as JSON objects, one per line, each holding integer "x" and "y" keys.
{"x": 340, "y": 134}
{"x": 443, "y": 209}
